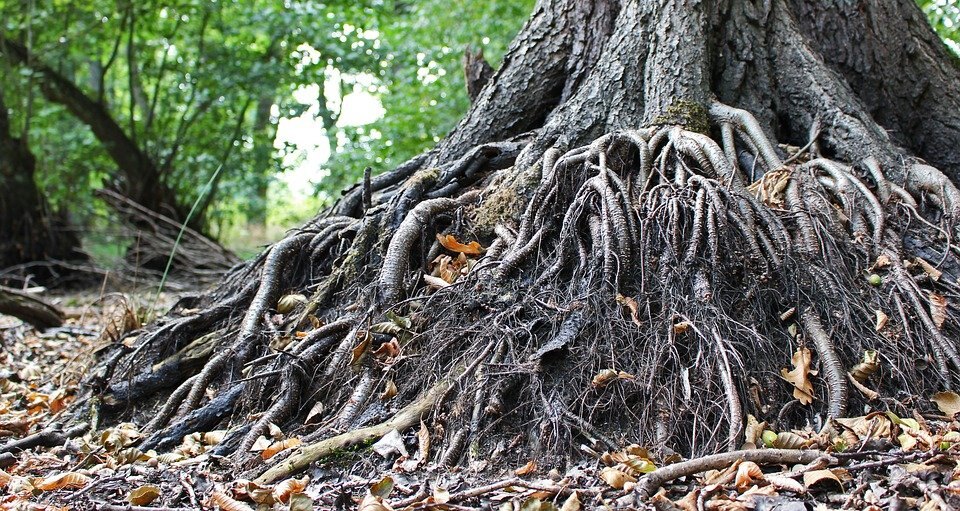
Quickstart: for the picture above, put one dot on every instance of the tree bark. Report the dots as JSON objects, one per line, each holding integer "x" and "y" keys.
{"x": 30, "y": 230}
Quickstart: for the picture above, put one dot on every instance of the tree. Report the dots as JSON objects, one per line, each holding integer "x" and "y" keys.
{"x": 656, "y": 266}
{"x": 30, "y": 230}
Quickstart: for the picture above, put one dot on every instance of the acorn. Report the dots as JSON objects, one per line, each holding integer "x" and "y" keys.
{"x": 874, "y": 279}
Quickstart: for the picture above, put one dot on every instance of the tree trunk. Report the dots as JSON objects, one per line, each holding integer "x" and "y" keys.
{"x": 29, "y": 231}
{"x": 138, "y": 177}
{"x": 648, "y": 257}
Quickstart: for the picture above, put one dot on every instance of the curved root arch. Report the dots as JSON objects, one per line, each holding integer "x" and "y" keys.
{"x": 648, "y": 287}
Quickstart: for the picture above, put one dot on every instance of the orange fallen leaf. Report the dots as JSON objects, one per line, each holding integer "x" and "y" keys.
{"x": 450, "y": 243}
{"x": 282, "y": 445}
{"x": 529, "y": 468}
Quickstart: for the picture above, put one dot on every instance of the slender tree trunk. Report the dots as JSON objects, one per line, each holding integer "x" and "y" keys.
{"x": 670, "y": 200}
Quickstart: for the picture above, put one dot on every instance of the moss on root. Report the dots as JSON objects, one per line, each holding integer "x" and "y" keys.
{"x": 507, "y": 201}
{"x": 691, "y": 115}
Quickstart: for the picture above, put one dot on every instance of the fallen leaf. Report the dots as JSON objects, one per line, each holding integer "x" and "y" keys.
{"x": 948, "y": 402}
{"x": 284, "y": 489}
{"x": 382, "y": 488}
{"x": 634, "y": 307}
{"x": 616, "y": 478}
{"x": 391, "y": 443}
{"x": 288, "y": 303}
{"x": 450, "y": 243}
{"x": 606, "y": 376}
{"x": 867, "y": 367}
{"x": 301, "y": 502}
{"x": 359, "y": 349}
{"x": 228, "y": 503}
{"x": 814, "y": 477}
{"x": 882, "y": 319}
{"x": 572, "y": 503}
{"x": 790, "y": 440}
{"x": 938, "y": 309}
{"x": 799, "y": 377}
{"x": 423, "y": 442}
{"x": 929, "y": 269}
{"x": 681, "y": 327}
{"x": 143, "y": 495}
{"x": 281, "y": 445}
{"x": 754, "y": 430}
{"x": 529, "y": 468}
{"x": 390, "y": 390}
{"x": 260, "y": 444}
{"x": 748, "y": 473}
{"x": 435, "y": 282}
{"x": 63, "y": 481}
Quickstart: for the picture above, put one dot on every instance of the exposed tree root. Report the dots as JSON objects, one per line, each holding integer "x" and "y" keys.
{"x": 631, "y": 289}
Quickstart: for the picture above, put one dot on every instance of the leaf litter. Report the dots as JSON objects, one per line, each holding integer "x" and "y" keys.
{"x": 877, "y": 461}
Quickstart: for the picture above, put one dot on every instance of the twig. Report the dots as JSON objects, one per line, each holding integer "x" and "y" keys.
{"x": 45, "y": 438}
{"x": 404, "y": 419}
{"x": 649, "y": 484}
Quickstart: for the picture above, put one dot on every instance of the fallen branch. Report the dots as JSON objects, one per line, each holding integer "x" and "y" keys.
{"x": 29, "y": 308}
{"x": 406, "y": 418}
{"x": 648, "y": 485}
{"x": 45, "y": 438}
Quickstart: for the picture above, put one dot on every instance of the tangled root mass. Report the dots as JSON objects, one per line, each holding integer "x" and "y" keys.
{"x": 650, "y": 291}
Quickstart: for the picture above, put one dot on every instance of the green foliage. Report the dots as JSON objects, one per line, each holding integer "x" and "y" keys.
{"x": 944, "y": 16}
{"x": 200, "y": 83}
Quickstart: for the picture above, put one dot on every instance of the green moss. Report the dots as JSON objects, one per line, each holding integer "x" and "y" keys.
{"x": 689, "y": 114}
{"x": 507, "y": 200}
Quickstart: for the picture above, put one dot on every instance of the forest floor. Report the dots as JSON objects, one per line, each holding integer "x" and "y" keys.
{"x": 880, "y": 461}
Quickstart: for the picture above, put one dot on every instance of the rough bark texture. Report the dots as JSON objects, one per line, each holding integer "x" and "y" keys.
{"x": 650, "y": 254}
{"x": 29, "y": 230}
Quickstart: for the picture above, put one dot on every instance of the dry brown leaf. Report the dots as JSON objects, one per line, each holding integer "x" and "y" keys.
{"x": 754, "y": 430}
{"x": 143, "y": 495}
{"x": 282, "y": 445}
{"x": 288, "y": 303}
{"x": 948, "y": 402}
{"x": 782, "y": 482}
{"x": 869, "y": 393}
{"x": 387, "y": 350}
{"x": 301, "y": 502}
{"x": 882, "y": 262}
{"x": 529, "y": 468}
{"x": 799, "y": 377}
{"x": 790, "y": 440}
{"x": 929, "y": 269}
{"x": 5, "y": 478}
{"x": 389, "y": 391}
{"x": 450, "y": 243}
{"x": 722, "y": 476}
{"x": 681, "y": 327}
{"x": 867, "y": 367}
{"x": 616, "y": 478}
{"x": 423, "y": 442}
{"x": 606, "y": 376}
{"x": 572, "y": 503}
{"x": 435, "y": 282}
{"x": 227, "y": 503}
{"x": 882, "y": 319}
{"x": 359, "y": 349}
{"x": 634, "y": 307}
{"x": 284, "y": 489}
{"x": 748, "y": 473}
{"x": 63, "y": 481}
{"x": 938, "y": 308}
{"x": 819, "y": 476}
